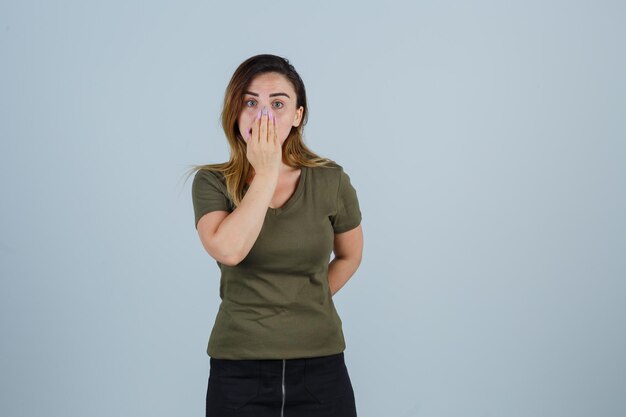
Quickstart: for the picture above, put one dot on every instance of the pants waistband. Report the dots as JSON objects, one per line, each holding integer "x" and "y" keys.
{"x": 277, "y": 364}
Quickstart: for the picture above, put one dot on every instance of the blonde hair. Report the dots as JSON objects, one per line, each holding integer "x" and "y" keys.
{"x": 295, "y": 152}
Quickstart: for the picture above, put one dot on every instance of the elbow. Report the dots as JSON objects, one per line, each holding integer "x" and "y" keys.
{"x": 225, "y": 259}
{"x": 236, "y": 255}
{"x": 228, "y": 258}
{"x": 231, "y": 261}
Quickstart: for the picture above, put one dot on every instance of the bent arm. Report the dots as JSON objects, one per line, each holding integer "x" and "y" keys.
{"x": 230, "y": 240}
{"x": 348, "y": 249}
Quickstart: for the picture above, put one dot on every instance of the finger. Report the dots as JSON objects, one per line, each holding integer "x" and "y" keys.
{"x": 271, "y": 128}
{"x": 276, "y": 140}
{"x": 263, "y": 127}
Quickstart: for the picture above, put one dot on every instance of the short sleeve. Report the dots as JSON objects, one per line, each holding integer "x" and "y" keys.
{"x": 208, "y": 194}
{"x": 348, "y": 213}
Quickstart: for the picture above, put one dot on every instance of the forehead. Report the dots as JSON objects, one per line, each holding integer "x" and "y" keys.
{"x": 271, "y": 82}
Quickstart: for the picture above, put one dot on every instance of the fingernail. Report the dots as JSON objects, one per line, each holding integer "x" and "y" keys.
{"x": 264, "y": 110}
{"x": 258, "y": 116}
{"x": 271, "y": 115}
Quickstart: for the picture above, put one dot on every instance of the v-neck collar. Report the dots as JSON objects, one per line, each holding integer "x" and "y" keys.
{"x": 294, "y": 197}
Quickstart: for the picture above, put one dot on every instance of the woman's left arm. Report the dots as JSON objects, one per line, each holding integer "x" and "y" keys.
{"x": 348, "y": 249}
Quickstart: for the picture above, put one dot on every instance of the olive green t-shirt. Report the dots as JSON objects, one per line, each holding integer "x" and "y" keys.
{"x": 276, "y": 303}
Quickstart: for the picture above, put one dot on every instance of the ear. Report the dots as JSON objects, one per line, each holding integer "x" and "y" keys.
{"x": 298, "y": 118}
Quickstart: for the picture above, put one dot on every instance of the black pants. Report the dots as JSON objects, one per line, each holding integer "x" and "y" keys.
{"x": 307, "y": 387}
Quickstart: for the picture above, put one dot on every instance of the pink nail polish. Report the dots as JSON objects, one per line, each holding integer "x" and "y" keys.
{"x": 258, "y": 116}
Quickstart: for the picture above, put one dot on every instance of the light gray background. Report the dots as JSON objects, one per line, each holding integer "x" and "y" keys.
{"x": 486, "y": 141}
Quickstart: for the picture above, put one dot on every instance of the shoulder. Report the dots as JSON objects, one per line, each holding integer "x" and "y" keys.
{"x": 332, "y": 172}
{"x": 209, "y": 184}
{"x": 209, "y": 175}
{"x": 333, "y": 180}
{"x": 328, "y": 170}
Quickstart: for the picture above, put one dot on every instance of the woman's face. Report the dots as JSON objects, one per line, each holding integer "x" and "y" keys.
{"x": 274, "y": 91}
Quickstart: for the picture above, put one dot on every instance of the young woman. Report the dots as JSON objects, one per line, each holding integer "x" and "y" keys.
{"x": 270, "y": 217}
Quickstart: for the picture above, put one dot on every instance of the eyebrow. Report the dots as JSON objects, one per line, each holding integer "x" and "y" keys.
{"x": 271, "y": 95}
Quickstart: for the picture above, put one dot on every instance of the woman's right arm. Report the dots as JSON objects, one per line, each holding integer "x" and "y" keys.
{"x": 228, "y": 237}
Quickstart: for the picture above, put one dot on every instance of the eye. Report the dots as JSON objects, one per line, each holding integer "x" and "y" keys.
{"x": 281, "y": 104}
{"x": 248, "y": 101}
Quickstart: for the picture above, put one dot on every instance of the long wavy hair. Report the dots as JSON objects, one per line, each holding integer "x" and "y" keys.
{"x": 295, "y": 152}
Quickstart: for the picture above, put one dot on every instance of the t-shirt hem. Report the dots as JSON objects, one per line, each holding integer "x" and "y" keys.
{"x": 301, "y": 355}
